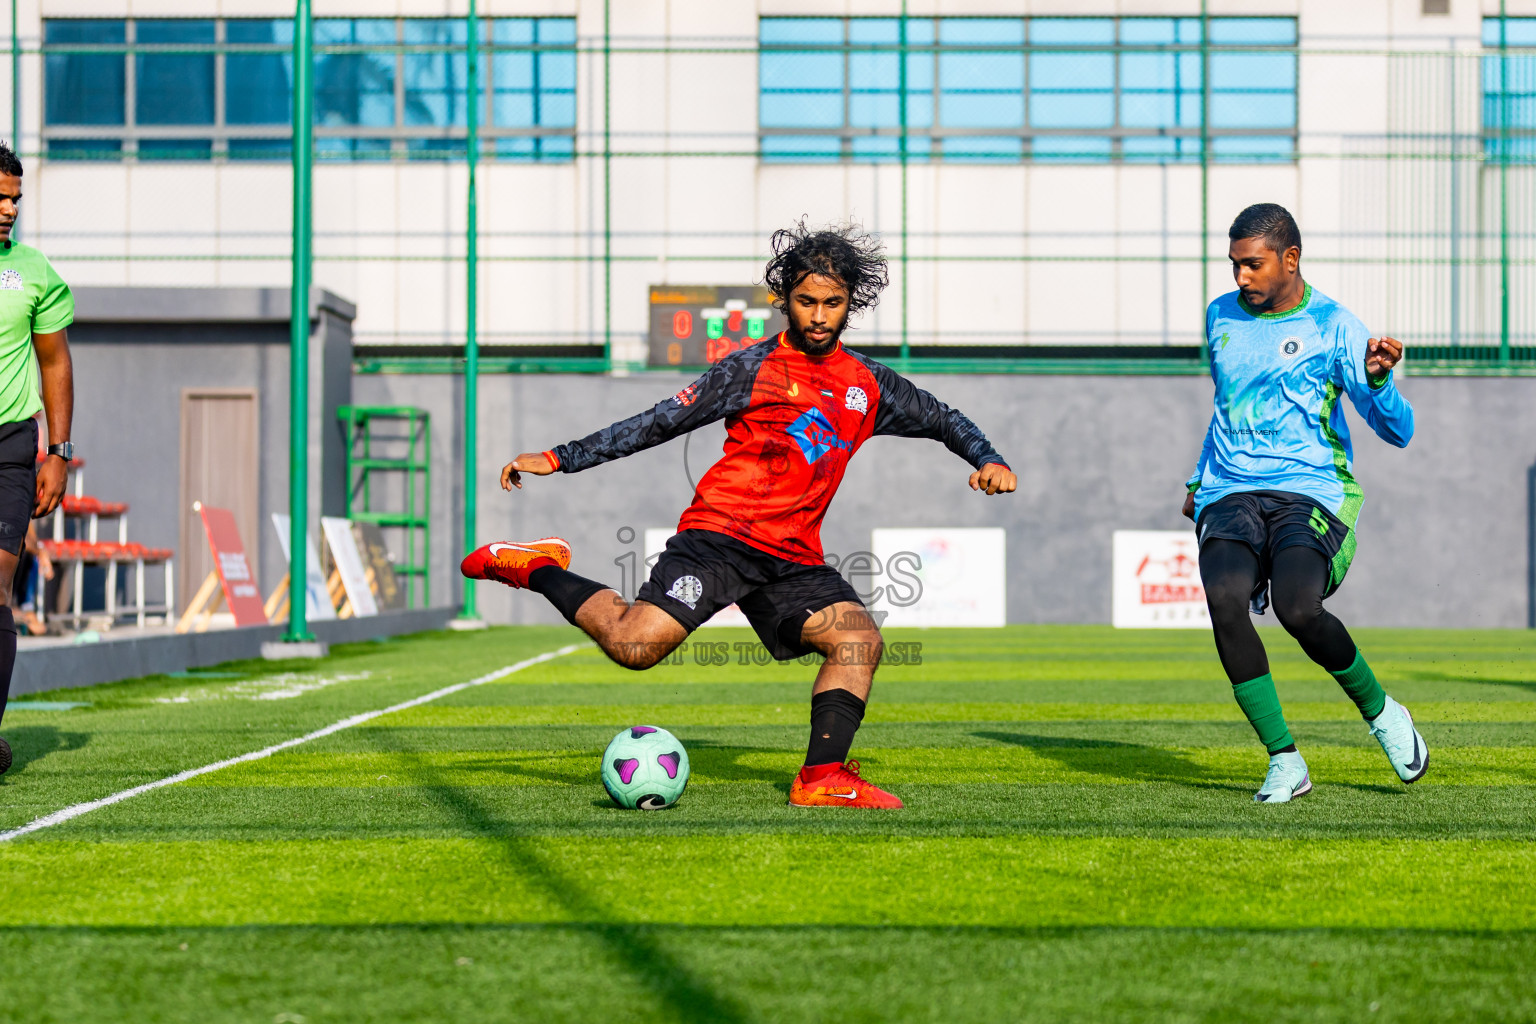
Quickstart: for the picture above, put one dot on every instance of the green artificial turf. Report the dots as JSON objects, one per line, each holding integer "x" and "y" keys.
{"x": 1079, "y": 843}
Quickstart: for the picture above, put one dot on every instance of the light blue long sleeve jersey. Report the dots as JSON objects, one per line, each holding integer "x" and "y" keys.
{"x": 1278, "y": 423}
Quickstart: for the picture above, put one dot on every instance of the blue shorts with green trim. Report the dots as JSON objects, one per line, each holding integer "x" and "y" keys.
{"x": 1271, "y": 521}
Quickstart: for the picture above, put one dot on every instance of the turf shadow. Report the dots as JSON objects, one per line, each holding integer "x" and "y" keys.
{"x": 633, "y": 947}
{"x": 1134, "y": 762}
{"x": 32, "y": 743}
{"x": 716, "y": 760}
{"x": 722, "y": 761}
{"x": 1427, "y": 676}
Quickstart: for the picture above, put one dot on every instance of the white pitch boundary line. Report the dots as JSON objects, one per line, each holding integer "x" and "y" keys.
{"x": 61, "y": 816}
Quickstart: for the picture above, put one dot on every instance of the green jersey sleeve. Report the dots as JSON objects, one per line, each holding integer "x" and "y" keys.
{"x": 55, "y": 308}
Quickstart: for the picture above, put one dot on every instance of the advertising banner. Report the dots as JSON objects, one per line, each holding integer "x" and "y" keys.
{"x": 1156, "y": 581}
{"x": 317, "y": 598}
{"x": 349, "y": 564}
{"x": 241, "y": 595}
{"x": 388, "y": 594}
{"x": 936, "y": 577}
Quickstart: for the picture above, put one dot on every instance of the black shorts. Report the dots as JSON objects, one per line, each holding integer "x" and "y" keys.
{"x": 18, "y": 482}
{"x": 1271, "y": 521}
{"x": 703, "y": 571}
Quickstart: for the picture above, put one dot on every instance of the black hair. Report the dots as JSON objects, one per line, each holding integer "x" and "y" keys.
{"x": 1269, "y": 221}
{"x": 845, "y": 251}
{"x": 9, "y": 163}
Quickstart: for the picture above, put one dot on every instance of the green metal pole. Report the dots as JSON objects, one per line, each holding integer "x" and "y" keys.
{"x": 298, "y": 347}
{"x": 901, "y": 101}
{"x": 1504, "y": 87}
{"x": 607, "y": 186}
{"x": 15, "y": 85}
{"x": 1205, "y": 173}
{"x": 471, "y": 335}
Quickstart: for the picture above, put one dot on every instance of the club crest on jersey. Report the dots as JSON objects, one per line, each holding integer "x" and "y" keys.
{"x": 815, "y": 435}
{"x": 10, "y": 281}
{"x": 688, "y": 590}
{"x": 1290, "y": 346}
{"x": 856, "y": 400}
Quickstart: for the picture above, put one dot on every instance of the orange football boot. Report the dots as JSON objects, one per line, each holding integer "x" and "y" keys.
{"x": 554, "y": 547}
{"x": 841, "y": 788}
{"x": 511, "y": 563}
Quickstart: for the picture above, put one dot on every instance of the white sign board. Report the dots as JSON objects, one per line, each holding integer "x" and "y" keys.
{"x": 317, "y": 598}
{"x": 655, "y": 543}
{"x": 349, "y": 564}
{"x": 940, "y": 577}
{"x": 1156, "y": 581}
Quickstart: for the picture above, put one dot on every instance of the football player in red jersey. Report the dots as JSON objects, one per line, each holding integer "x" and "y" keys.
{"x": 797, "y": 406}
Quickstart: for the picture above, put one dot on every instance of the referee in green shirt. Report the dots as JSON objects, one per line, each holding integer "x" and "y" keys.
{"x": 35, "y": 375}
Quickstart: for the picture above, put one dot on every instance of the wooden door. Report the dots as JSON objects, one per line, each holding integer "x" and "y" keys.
{"x": 219, "y": 467}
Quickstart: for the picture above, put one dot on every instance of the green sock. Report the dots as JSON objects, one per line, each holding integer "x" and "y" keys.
{"x": 1360, "y": 683}
{"x": 1260, "y": 702}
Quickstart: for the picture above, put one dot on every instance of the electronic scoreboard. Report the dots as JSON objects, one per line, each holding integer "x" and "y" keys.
{"x": 699, "y": 326}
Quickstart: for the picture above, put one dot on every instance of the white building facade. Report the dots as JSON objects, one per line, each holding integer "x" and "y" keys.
{"x": 1036, "y": 168}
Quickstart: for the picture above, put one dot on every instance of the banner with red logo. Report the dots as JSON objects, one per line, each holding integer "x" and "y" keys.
{"x": 1156, "y": 581}
{"x": 236, "y": 575}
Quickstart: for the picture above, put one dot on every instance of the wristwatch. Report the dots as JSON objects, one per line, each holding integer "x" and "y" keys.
{"x": 64, "y": 450}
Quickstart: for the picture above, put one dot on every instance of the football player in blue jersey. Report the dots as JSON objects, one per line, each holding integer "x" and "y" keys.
{"x": 1274, "y": 497}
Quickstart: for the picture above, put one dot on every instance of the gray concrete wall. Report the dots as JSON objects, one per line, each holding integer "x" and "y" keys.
{"x": 56, "y": 665}
{"x": 1443, "y": 537}
{"x": 136, "y": 349}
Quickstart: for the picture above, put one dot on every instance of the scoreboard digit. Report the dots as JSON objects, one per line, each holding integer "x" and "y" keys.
{"x": 699, "y": 326}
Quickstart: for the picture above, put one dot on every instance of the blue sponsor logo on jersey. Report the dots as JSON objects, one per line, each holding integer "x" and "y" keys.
{"x": 815, "y": 436}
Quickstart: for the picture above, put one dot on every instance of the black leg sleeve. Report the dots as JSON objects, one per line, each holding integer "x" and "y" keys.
{"x": 565, "y": 590}
{"x": 1296, "y": 583}
{"x": 7, "y": 655}
{"x": 1229, "y": 570}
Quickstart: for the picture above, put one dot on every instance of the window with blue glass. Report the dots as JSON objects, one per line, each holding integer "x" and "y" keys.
{"x": 84, "y": 78}
{"x": 385, "y": 88}
{"x": 1509, "y": 89}
{"x": 1064, "y": 89}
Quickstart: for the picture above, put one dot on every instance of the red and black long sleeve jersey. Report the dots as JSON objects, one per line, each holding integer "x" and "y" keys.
{"x": 792, "y": 423}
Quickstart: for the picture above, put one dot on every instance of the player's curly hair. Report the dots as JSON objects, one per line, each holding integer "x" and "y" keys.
{"x": 845, "y": 251}
{"x": 9, "y": 164}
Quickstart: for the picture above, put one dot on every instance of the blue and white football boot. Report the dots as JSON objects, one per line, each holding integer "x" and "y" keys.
{"x": 1287, "y": 779}
{"x": 1405, "y": 748}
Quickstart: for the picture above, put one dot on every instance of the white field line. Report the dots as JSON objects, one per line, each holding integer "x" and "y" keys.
{"x": 61, "y": 816}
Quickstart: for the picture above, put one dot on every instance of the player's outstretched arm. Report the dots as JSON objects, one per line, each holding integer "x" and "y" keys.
{"x": 1368, "y": 380}
{"x": 726, "y": 388}
{"x": 906, "y": 410}
{"x": 537, "y": 463}
{"x": 994, "y": 478}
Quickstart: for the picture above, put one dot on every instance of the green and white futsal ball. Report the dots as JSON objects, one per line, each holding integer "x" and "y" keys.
{"x": 645, "y": 768}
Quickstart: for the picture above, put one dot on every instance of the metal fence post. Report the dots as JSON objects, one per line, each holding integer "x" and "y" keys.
{"x": 1205, "y": 173}
{"x": 607, "y": 185}
{"x": 901, "y": 100}
{"x": 15, "y": 85}
{"x": 471, "y": 297}
{"x": 1504, "y": 87}
{"x": 298, "y": 347}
